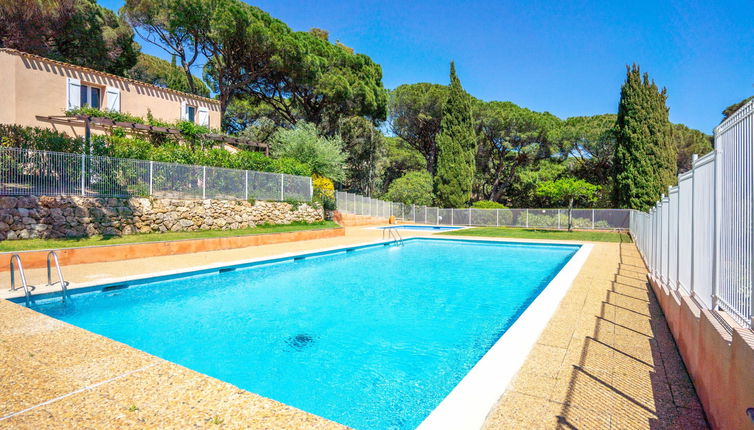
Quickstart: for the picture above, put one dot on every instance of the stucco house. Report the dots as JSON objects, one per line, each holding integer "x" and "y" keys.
{"x": 36, "y": 91}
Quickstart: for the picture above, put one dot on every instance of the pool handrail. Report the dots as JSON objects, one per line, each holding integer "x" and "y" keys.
{"x": 25, "y": 286}
{"x": 63, "y": 282}
{"x": 392, "y": 234}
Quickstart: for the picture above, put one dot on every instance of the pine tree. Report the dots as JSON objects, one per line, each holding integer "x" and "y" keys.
{"x": 645, "y": 157}
{"x": 456, "y": 148}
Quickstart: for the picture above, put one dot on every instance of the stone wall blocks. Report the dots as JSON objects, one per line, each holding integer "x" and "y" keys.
{"x": 61, "y": 216}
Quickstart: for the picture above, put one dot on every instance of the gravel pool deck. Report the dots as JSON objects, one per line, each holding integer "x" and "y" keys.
{"x": 606, "y": 360}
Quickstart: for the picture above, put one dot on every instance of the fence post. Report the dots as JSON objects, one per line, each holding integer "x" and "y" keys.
{"x": 425, "y": 215}
{"x": 204, "y": 182}
{"x": 282, "y": 192}
{"x": 451, "y": 216}
{"x": 558, "y": 219}
{"x": 246, "y": 184}
{"x": 151, "y": 176}
{"x": 83, "y": 174}
{"x": 527, "y": 217}
{"x": 470, "y": 216}
{"x": 413, "y": 210}
{"x": 678, "y": 239}
{"x": 694, "y": 157}
{"x": 629, "y": 224}
{"x": 497, "y": 217}
{"x": 717, "y": 211}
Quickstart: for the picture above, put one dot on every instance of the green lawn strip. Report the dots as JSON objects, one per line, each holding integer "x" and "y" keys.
{"x": 532, "y": 233}
{"x": 30, "y": 244}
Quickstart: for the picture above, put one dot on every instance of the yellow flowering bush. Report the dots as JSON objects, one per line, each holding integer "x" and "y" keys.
{"x": 323, "y": 187}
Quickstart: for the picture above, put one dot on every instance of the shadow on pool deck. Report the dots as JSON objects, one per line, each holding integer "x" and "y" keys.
{"x": 620, "y": 367}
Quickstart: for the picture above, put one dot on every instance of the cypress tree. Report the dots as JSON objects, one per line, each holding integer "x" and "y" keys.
{"x": 645, "y": 157}
{"x": 456, "y": 148}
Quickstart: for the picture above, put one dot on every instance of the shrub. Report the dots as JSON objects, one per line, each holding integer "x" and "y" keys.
{"x": 324, "y": 192}
{"x": 488, "y": 204}
{"x": 323, "y": 187}
{"x": 323, "y": 155}
{"x": 16, "y": 136}
{"x": 412, "y": 188}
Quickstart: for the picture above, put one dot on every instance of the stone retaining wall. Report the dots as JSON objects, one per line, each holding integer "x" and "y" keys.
{"x": 69, "y": 216}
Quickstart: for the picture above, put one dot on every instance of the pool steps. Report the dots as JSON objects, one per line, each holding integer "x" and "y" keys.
{"x": 52, "y": 256}
{"x": 392, "y": 234}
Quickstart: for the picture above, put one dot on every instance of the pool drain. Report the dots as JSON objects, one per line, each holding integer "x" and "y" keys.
{"x": 300, "y": 341}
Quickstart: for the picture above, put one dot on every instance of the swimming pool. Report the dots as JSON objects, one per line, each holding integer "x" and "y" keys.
{"x": 421, "y": 227}
{"x": 372, "y": 337}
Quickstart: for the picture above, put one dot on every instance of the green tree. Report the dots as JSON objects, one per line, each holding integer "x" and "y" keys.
{"x": 157, "y": 71}
{"x": 730, "y": 110}
{"x": 522, "y": 193}
{"x": 365, "y": 148}
{"x": 413, "y": 188}
{"x": 321, "y": 82}
{"x": 456, "y": 148}
{"x": 510, "y": 139}
{"x": 688, "y": 142}
{"x": 415, "y": 113}
{"x": 400, "y": 159}
{"x": 568, "y": 191}
{"x": 324, "y": 155}
{"x": 645, "y": 158}
{"x": 242, "y": 45}
{"x": 174, "y": 26}
{"x": 74, "y": 31}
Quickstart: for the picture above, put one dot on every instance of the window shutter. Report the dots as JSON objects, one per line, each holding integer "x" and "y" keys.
{"x": 184, "y": 114}
{"x": 73, "y": 94}
{"x": 203, "y": 116}
{"x": 113, "y": 99}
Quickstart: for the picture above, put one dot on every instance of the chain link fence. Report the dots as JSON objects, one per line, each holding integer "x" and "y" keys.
{"x": 592, "y": 219}
{"x": 30, "y": 172}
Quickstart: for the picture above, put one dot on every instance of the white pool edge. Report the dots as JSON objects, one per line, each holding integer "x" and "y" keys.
{"x": 471, "y": 401}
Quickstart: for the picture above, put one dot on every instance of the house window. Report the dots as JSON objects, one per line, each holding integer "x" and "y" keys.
{"x": 89, "y": 96}
{"x": 193, "y": 114}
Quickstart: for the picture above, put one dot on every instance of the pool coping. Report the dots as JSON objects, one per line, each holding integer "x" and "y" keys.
{"x": 473, "y": 398}
{"x": 407, "y": 227}
{"x": 102, "y": 253}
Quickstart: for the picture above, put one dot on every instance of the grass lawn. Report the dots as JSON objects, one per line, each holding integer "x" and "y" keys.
{"x": 533, "y": 233}
{"x": 29, "y": 244}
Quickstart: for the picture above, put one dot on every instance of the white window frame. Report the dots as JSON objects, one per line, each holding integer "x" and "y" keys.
{"x": 73, "y": 90}
{"x": 185, "y": 111}
{"x": 89, "y": 88}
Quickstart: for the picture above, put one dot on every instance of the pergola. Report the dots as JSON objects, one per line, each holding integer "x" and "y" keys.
{"x": 101, "y": 122}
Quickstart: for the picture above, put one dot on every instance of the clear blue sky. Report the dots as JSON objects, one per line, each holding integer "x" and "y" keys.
{"x": 565, "y": 57}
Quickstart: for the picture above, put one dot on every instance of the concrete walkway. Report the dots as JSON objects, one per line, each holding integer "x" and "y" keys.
{"x": 607, "y": 359}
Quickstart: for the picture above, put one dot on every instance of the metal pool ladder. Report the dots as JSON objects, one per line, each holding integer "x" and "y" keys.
{"x": 393, "y": 234}
{"x": 17, "y": 259}
{"x": 63, "y": 282}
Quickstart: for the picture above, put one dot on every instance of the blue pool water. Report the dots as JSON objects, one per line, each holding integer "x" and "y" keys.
{"x": 374, "y": 338}
{"x": 422, "y": 227}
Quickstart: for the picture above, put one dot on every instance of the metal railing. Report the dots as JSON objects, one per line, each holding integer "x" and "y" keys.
{"x": 699, "y": 239}
{"x": 31, "y": 172}
{"x": 593, "y": 219}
